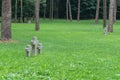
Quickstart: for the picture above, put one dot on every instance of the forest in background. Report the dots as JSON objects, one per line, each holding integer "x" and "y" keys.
{"x": 87, "y": 8}
{"x": 27, "y": 11}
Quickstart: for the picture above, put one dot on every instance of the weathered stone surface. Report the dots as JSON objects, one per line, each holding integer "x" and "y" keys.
{"x": 34, "y": 43}
{"x": 39, "y": 48}
{"x": 35, "y": 47}
{"x": 28, "y": 50}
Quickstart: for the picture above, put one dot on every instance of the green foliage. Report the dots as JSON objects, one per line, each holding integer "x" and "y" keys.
{"x": 72, "y": 51}
{"x": 43, "y": 1}
{"x": 118, "y": 2}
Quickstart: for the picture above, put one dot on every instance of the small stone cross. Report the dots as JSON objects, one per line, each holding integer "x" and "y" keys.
{"x": 34, "y": 43}
{"x": 39, "y": 48}
{"x": 28, "y": 50}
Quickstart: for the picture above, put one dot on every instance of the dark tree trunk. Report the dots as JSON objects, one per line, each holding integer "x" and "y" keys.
{"x": 16, "y": 10}
{"x": 37, "y": 6}
{"x": 44, "y": 13}
{"x": 104, "y": 16}
{"x": 70, "y": 12}
{"x": 51, "y": 9}
{"x": 67, "y": 9}
{"x": 56, "y": 15}
{"x": 44, "y": 5}
{"x": 97, "y": 11}
{"x": 21, "y": 18}
{"x": 78, "y": 15}
{"x": 6, "y": 20}
{"x": 56, "y": 9}
{"x": 111, "y": 13}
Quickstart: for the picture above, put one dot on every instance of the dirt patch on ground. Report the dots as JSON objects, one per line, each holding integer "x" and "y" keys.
{"x": 8, "y": 41}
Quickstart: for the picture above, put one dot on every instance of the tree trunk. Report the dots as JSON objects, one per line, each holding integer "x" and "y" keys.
{"x": 37, "y": 6}
{"x": 97, "y": 11}
{"x": 56, "y": 15}
{"x": 104, "y": 16}
{"x": 44, "y": 5}
{"x": 21, "y": 18}
{"x": 111, "y": 11}
{"x": 56, "y": 9}
{"x": 67, "y": 9}
{"x": 6, "y": 20}
{"x": 115, "y": 11}
{"x": 44, "y": 13}
{"x": 78, "y": 15}
{"x": 16, "y": 10}
{"x": 70, "y": 12}
{"x": 51, "y": 9}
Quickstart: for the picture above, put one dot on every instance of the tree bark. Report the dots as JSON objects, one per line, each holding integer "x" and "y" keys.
{"x": 44, "y": 13}
{"x": 51, "y": 9}
{"x": 37, "y": 6}
{"x": 16, "y": 10}
{"x": 97, "y": 11}
{"x": 104, "y": 17}
{"x": 67, "y": 9}
{"x": 111, "y": 13}
{"x": 56, "y": 9}
{"x": 78, "y": 15}
{"x": 44, "y": 5}
{"x": 115, "y": 11}
{"x": 6, "y": 20}
{"x": 70, "y": 12}
{"x": 21, "y": 18}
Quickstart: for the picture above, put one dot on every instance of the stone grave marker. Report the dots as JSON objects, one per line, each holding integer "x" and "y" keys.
{"x": 28, "y": 50}
{"x": 34, "y": 43}
{"x": 39, "y": 48}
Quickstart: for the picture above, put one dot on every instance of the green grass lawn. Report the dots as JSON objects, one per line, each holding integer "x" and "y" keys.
{"x": 71, "y": 51}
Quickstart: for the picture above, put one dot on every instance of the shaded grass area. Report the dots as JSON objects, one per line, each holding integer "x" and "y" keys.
{"x": 71, "y": 51}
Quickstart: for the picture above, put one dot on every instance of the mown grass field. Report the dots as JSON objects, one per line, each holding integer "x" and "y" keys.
{"x": 71, "y": 51}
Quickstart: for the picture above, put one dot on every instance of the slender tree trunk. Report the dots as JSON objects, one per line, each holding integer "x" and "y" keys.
{"x": 37, "y": 6}
{"x": 115, "y": 11}
{"x": 70, "y": 12}
{"x": 21, "y": 18}
{"x": 67, "y": 9}
{"x": 6, "y": 20}
{"x": 78, "y": 15}
{"x": 97, "y": 11}
{"x": 45, "y": 5}
{"x": 111, "y": 13}
{"x": 104, "y": 16}
{"x": 52, "y": 9}
{"x": 56, "y": 9}
{"x": 44, "y": 13}
{"x": 56, "y": 15}
{"x": 16, "y": 10}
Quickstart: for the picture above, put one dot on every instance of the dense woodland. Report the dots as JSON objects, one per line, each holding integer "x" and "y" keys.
{"x": 87, "y": 7}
